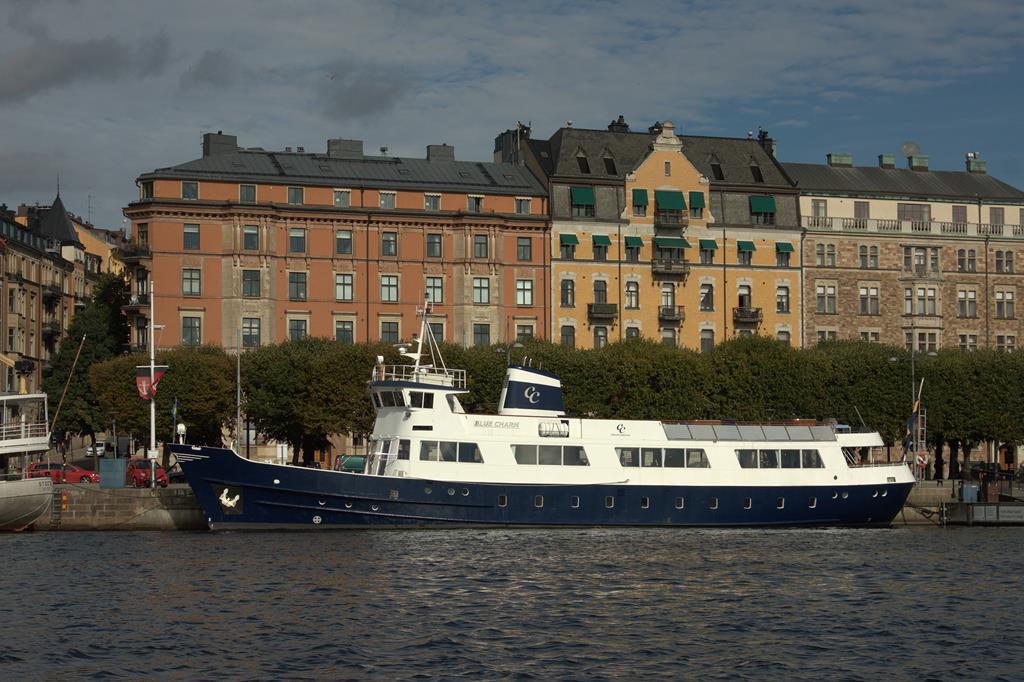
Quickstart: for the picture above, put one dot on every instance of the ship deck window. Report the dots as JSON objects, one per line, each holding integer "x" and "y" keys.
{"x": 470, "y": 452}
{"x": 769, "y": 459}
{"x": 552, "y": 455}
{"x": 573, "y": 455}
{"x": 525, "y": 454}
{"x": 790, "y": 459}
{"x": 696, "y": 458}
{"x": 628, "y": 457}
{"x": 747, "y": 458}
{"x": 650, "y": 457}
{"x": 403, "y": 449}
{"x": 812, "y": 460}
{"x": 678, "y": 458}
{"x": 421, "y": 399}
{"x": 392, "y": 399}
{"x": 448, "y": 451}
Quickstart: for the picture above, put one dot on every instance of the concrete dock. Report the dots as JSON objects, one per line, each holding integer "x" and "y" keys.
{"x": 85, "y": 506}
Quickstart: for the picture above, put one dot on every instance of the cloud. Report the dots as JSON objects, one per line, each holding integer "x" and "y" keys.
{"x": 214, "y": 69}
{"x": 348, "y": 88}
{"x": 48, "y": 64}
{"x": 790, "y": 123}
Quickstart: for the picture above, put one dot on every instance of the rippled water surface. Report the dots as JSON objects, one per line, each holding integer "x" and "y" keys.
{"x": 904, "y": 603}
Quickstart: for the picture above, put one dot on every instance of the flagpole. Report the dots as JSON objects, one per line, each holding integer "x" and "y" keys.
{"x": 152, "y": 380}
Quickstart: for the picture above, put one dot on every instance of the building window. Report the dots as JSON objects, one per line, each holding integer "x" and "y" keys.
{"x": 762, "y": 217}
{"x": 783, "y": 336}
{"x": 387, "y": 200}
{"x": 475, "y": 204}
{"x": 568, "y": 336}
{"x": 633, "y": 295}
{"x": 524, "y": 248}
{"x": 830, "y": 255}
{"x": 479, "y": 246}
{"x": 481, "y": 334}
{"x": 960, "y": 215}
{"x": 189, "y": 190}
{"x": 819, "y": 208}
{"x": 668, "y": 169}
{"x": 142, "y": 233}
{"x": 431, "y": 202}
{"x": 782, "y": 259}
{"x": 251, "y": 283}
{"x": 524, "y": 292}
{"x": 191, "y": 238}
{"x": 926, "y": 301}
{"x": 632, "y": 253}
{"x": 600, "y": 291}
{"x": 481, "y": 290}
{"x": 146, "y": 190}
{"x": 968, "y": 342}
{"x": 251, "y": 237}
{"x": 250, "y": 332}
{"x": 342, "y": 198}
{"x": 524, "y": 332}
{"x": 755, "y": 172}
{"x": 296, "y": 195}
{"x": 389, "y": 332}
{"x": 1006, "y": 343}
{"x": 389, "y": 244}
{"x": 707, "y": 256}
{"x": 389, "y": 288}
{"x": 433, "y": 246}
{"x": 583, "y": 164}
{"x": 868, "y": 257}
{"x": 668, "y": 336}
{"x": 190, "y": 282}
{"x": 826, "y": 298}
{"x": 707, "y": 297}
{"x": 1004, "y": 305}
{"x": 343, "y": 242}
{"x": 632, "y": 333}
{"x": 191, "y": 334}
{"x": 435, "y": 290}
{"x": 640, "y": 210}
{"x": 782, "y": 300}
{"x": 827, "y": 335}
{"x": 522, "y": 206}
{"x": 582, "y": 210}
{"x": 296, "y": 286}
{"x": 707, "y": 340}
{"x": 568, "y": 293}
{"x": 436, "y": 330}
{"x": 247, "y": 194}
{"x": 861, "y": 214}
{"x": 967, "y": 302}
{"x": 743, "y": 296}
{"x": 567, "y": 251}
{"x": 744, "y": 257}
{"x": 995, "y": 215}
{"x": 345, "y": 332}
{"x": 600, "y": 337}
{"x": 914, "y": 213}
{"x": 297, "y": 329}
{"x": 869, "y": 336}
{"x": 1004, "y": 261}
{"x": 297, "y": 240}
{"x": 868, "y": 300}
{"x": 344, "y": 284}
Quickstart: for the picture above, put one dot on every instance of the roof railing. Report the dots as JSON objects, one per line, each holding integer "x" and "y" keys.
{"x": 435, "y": 376}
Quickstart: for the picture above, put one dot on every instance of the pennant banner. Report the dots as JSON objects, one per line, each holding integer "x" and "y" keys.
{"x": 146, "y": 388}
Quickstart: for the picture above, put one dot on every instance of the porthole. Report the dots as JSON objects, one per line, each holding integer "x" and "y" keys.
{"x": 277, "y": 481}
{"x": 780, "y": 503}
{"x": 748, "y": 503}
{"x": 885, "y": 493}
{"x": 645, "y": 502}
{"x": 609, "y": 501}
{"x": 874, "y": 494}
{"x": 451, "y": 491}
{"x": 348, "y": 505}
{"x": 835, "y": 495}
{"x": 680, "y": 502}
{"x": 845, "y": 494}
{"x": 502, "y": 500}
{"x": 714, "y": 503}
{"x": 538, "y": 501}
{"x": 374, "y": 507}
{"x": 574, "y": 501}
{"x": 812, "y": 502}
{"x": 465, "y": 492}
{"x": 428, "y": 490}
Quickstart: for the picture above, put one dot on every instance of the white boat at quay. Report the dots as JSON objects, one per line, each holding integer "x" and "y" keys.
{"x": 24, "y": 430}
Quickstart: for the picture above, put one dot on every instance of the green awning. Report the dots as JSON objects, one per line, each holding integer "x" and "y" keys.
{"x": 669, "y": 200}
{"x": 746, "y": 246}
{"x": 634, "y": 241}
{"x": 708, "y": 244}
{"x": 602, "y": 240}
{"x": 582, "y": 196}
{"x": 639, "y": 197}
{"x": 671, "y": 243}
{"x": 762, "y": 204}
{"x": 568, "y": 240}
{"x": 783, "y": 247}
{"x": 696, "y": 199}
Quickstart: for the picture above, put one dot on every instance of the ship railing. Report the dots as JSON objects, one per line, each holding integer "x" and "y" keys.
{"x": 15, "y": 430}
{"x": 449, "y": 378}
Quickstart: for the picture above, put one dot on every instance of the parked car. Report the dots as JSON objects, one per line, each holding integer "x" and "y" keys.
{"x": 62, "y": 473}
{"x": 991, "y": 471}
{"x": 137, "y": 474}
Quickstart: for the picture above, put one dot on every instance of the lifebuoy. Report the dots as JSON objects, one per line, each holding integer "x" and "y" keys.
{"x": 921, "y": 461}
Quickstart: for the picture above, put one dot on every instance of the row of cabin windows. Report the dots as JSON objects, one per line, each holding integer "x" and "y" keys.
{"x": 342, "y": 198}
{"x": 448, "y": 451}
{"x": 552, "y": 455}
{"x": 690, "y": 458}
{"x": 774, "y": 459}
{"x": 680, "y": 502}
{"x": 388, "y": 399}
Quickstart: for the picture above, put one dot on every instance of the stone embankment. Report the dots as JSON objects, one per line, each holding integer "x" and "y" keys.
{"x": 85, "y": 506}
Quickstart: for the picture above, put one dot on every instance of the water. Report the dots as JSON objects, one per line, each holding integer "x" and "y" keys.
{"x": 904, "y": 603}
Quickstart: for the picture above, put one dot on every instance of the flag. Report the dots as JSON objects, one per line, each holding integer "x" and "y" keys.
{"x": 147, "y": 389}
{"x": 908, "y": 442}
{"x": 174, "y": 411}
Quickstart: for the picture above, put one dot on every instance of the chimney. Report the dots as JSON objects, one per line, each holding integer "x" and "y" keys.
{"x": 508, "y": 145}
{"x": 219, "y": 143}
{"x": 767, "y": 143}
{"x": 839, "y": 160}
{"x": 886, "y": 160}
{"x": 619, "y": 125}
{"x": 339, "y": 148}
{"x": 975, "y": 164}
{"x": 917, "y": 162}
{"x": 440, "y": 152}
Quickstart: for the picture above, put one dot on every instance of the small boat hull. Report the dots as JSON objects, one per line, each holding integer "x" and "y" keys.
{"x": 22, "y": 502}
{"x": 236, "y": 493}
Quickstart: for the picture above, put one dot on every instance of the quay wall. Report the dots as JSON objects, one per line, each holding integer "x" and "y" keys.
{"x": 88, "y": 507}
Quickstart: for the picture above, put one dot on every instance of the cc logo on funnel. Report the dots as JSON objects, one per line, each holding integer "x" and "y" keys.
{"x": 531, "y": 394}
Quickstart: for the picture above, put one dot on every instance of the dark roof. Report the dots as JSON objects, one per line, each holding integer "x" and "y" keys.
{"x": 54, "y": 224}
{"x": 247, "y": 165}
{"x": 811, "y": 177}
{"x": 734, "y": 154}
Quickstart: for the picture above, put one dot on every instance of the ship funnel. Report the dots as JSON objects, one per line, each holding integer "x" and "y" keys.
{"x": 531, "y": 392}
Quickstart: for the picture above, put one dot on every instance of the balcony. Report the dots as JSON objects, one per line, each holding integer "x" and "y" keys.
{"x": 135, "y": 253}
{"x": 52, "y": 293}
{"x": 137, "y": 301}
{"x": 921, "y": 270}
{"x": 672, "y": 313}
{"x": 671, "y": 220}
{"x": 744, "y": 315}
{"x": 602, "y": 311}
{"x": 892, "y": 226}
{"x": 670, "y": 266}
{"x": 51, "y": 329}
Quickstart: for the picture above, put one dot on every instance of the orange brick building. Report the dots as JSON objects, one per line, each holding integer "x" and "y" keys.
{"x": 264, "y": 246}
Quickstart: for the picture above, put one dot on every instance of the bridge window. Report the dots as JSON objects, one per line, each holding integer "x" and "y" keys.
{"x": 812, "y": 460}
{"x": 420, "y": 399}
{"x": 403, "y": 449}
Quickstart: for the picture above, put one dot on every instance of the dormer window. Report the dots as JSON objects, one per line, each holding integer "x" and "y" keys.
{"x": 755, "y": 171}
{"x": 716, "y": 169}
{"x": 584, "y": 165}
{"x": 609, "y": 166}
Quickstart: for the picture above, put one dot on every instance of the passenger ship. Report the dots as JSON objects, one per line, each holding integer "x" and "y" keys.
{"x": 434, "y": 465}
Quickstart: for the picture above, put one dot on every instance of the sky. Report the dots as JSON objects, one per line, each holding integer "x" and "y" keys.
{"x": 96, "y": 92}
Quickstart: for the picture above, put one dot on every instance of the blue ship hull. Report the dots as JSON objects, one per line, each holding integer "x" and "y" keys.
{"x": 236, "y": 493}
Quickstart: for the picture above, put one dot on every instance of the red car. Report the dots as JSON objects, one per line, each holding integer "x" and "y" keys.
{"x": 62, "y": 473}
{"x": 137, "y": 474}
